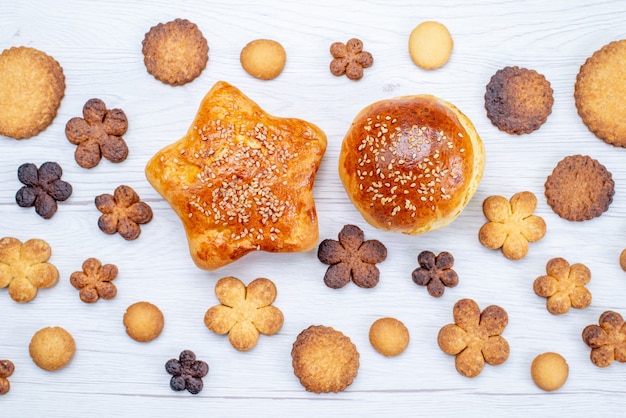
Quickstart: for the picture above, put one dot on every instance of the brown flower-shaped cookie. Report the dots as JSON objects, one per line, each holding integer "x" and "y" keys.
{"x": 245, "y": 311}
{"x": 187, "y": 372}
{"x": 351, "y": 257}
{"x": 608, "y": 340}
{"x": 512, "y": 224}
{"x": 6, "y": 370}
{"x": 564, "y": 286}
{"x": 435, "y": 272}
{"x": 350, "y": 59}
{"x": 98, "y": 134}
{"x": 122, "y": 212}
{"x": 24, "y": 267}
{"x": 94, "y": 281}
{"x": 475, "y": 338}
{"x": 42, "y": 188}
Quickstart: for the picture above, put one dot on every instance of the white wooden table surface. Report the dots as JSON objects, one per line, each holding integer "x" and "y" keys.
{"x": 98, "y": 45}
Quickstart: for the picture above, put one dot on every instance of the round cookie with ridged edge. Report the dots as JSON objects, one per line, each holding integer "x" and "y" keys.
{"x": 599, "y": 93}
{"x": 33, "y": 85}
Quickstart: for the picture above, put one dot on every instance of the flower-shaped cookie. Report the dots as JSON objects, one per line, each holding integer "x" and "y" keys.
{"x": 349, "y": 59}
{"x": 351, "y": 256}
{"x": 608, "y": 340}
{"x": 564, "y": 286}
{"x": 512, "y": 224}
{"x": 94, "y": 281}
{"x": 42, "y": 188}
{"x": 24, "y": 267}
{"x": 187, "y": 372}
{"x": 435, "y": 272}
{"x": 98, "y": 134}
{"x": 475, "y": 338}
{"x": 245, "y": 312}
{"x": 122, "y": 212}
{"x": 6, "y": 370}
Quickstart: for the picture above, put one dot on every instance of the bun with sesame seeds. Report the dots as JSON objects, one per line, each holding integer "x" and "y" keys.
{"x": 411, "y": 164}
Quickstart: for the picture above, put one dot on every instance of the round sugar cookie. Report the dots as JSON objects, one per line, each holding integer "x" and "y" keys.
{"x": 52, "y": 348}
{"x": 430, "y": 45}
{"x": 263, "y": 58}
{"x": 143, "y": 321}
{"x": 549, "y": 371}
{"x": 389, "y": 336}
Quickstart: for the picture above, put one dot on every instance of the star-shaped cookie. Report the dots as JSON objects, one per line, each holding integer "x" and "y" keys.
{"x": 241, "y": 179}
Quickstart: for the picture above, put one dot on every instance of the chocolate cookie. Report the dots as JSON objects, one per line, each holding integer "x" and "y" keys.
{"x": 599, "y": 93}
{"x": 518, "y": 100}
{"x": 579, "y": 188}
{"x": 175, "y": 52}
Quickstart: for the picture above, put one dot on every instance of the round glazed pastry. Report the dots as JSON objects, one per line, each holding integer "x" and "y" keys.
{"x": 411, "y": 164}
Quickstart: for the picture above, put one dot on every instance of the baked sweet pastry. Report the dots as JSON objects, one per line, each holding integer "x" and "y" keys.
{"x": 435, "y": 272}
{"x": 245, "y": 312}
{"x": 241, "y": 180}
{"x": 351, "y": 257}
{"x": 579, "y": 188}
{"x": 52, "y": 348}
{"x": 94, "y": 281}
{"x": 187, "y": 372}
{"x": 263, "y": 58}
{"x": 389, "y": 336}
{"x": 563, "y": 286}
{"x": 607, "y": 339}
{"x": 518, "y": 100}
{"x": 24, "y": 267}
{"x": 349, "y": 59}
{"x": 6, "y": 370}
{"x": 430, "y": 45}
{"x": 549, "y": 371}
{"x": 511, "y": 224}
{"x": 411, "y": 164}
{"x": 324, "y": 359}
{"x": 122, "y": 212}
{"x": 43, "y": 188}
{"x": 175, "y": 52}
{"x": 599, "y": 93}
{"x": 143, "y": 321}
{"x": 33, "y": 85}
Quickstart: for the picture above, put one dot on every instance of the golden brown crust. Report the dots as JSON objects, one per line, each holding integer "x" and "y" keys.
{"x": 52, "y": 348}
{"x": 549, "y": 371}
{"x": 411, "y": 164}
{"x": 599, "y": 93}
{"x": 389, "y": 336}
{"x": 33, "y": 85}
{"x": 175, "y": 52}
{"x": 143, "y": 321}
{"x": 325, "y": 360}
{"x": 579, "y": 188}
{"x": 518, "y": 100}
{"x": 245, "y": 312}
{"x": 241, "y": 180}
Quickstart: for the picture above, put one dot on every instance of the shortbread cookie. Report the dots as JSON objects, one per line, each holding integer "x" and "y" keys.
{"x": 389, "y": 336}
{"x": 175, "y": 52}
{"x": 549, "y": 371}
{"x": 52, "y": 348}
{"x": 518, "y": 100}
{"x": 143, "y": 321}
{"x": 325, "y": 360}
{"x": 430, "y": 45}
{"x": 33, "y": 85}
{"x": 263, "y": 58}
{"x": 600, "y": 93}
{"x": 579, "y": 188}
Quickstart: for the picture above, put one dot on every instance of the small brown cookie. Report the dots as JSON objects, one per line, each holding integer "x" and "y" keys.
{"x": 622, "y": 259}
{"x": 263, "y": 58}
{"x": 563, "y": 286}
{"x": 33, "y": 85}
{"x": 579, "y": 188}
{"x": 6, "y": 370}
{"x": 325, "y": 360}
{"x": 435, "y": 272}
{"x": 599, "y": 93}
{"x": 122, "y": 212}
{"x": 143, "y": 321}
{"x": 52, "y": 348}
{"x": 389, "y": 336}
{"x": 350, "y": 59}
{"x": 175, "y": 52}
{"x": 549, "y": 371}
{"x": 95, "y": 281}
{"x": 518, "y": 100}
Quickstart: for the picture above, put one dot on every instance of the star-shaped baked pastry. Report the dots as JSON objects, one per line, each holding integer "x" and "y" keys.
{"x": 241, "y": 180}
